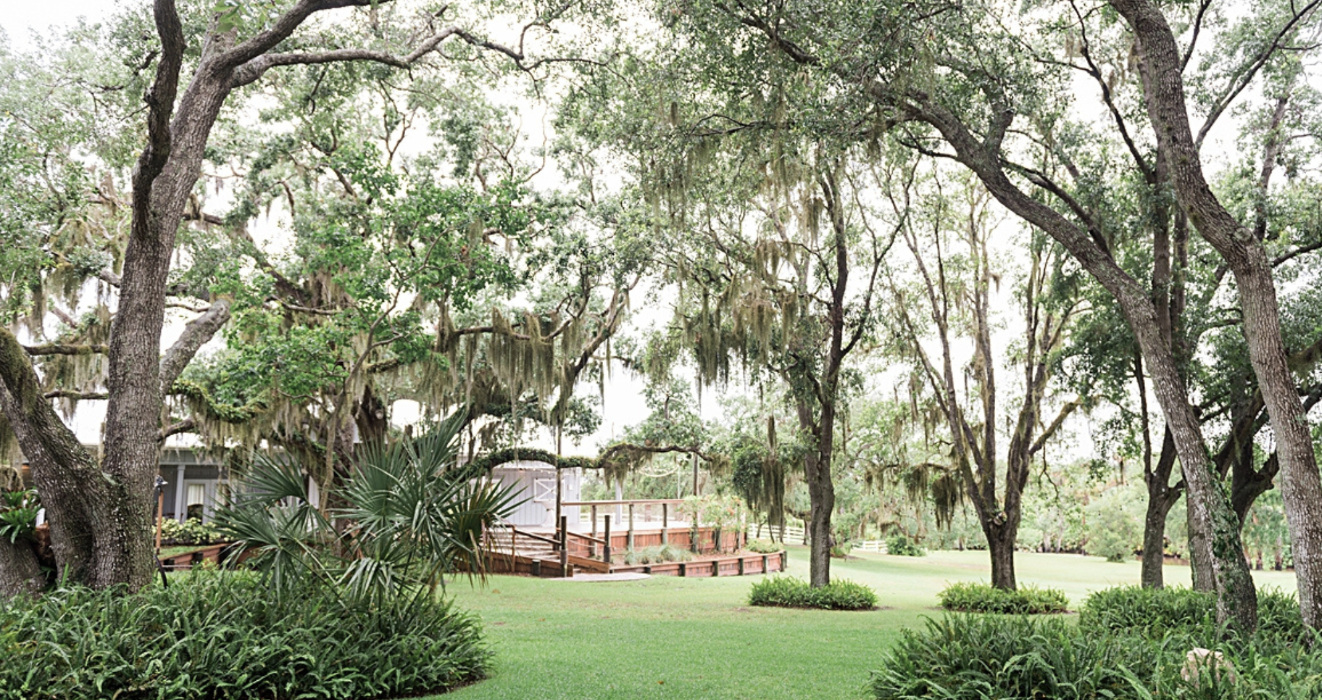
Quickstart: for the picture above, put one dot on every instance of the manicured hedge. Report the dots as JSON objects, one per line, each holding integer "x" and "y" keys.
{"x": 214, "y": 635}
{"x": 786, "y": 592}
{"x": 985, "y": 598}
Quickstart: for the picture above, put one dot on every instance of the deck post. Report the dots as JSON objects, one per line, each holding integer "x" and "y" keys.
{"x": 564, "y": 546}
{"x": 665, "y": 524}
{"x": 683, "y": 569}
{"x": 606, "y": 551}
{"x": 784, "y": 554}
{"x": 631, "y": 527}
{"x": 764, "y": 564}
{"x": 592, "y": 546}
{"x": 741, "y": 566}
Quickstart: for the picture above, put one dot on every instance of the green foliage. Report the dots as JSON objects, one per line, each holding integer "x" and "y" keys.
{"x": 985, "y": 598}
{"x": 191, "y": 531}
{"x": 721, "y": 512}
{"x": 763, "y": 547}
{"x": 409, "y": 515}
{"x": 18, "y": 514}
{"x": 986, "y": 657}
{"x": 1157, "y": 612}
{"x": 994, "y": 657}
{"x": 656, "y": 555}
{"x": 901, "y": 546}
{"x": 1114, "y": 526}
{"x": 787, "y": 592}
{"x": 226, "y": 635}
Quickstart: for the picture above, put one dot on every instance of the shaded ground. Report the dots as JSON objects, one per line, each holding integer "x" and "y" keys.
{"x": 697, "y": 638}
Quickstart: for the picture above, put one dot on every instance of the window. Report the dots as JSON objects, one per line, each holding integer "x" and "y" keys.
{"x": 196, "y": 501}
{"x": 543, "y": 490}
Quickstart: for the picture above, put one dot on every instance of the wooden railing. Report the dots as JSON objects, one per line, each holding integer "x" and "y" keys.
{"x": 638, "y": 511}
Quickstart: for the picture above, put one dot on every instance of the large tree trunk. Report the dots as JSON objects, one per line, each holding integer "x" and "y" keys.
{"x": 72, "y": 487}
{"x": 1160, "y": 501}
{"x": 1201, "y": 558}
{"x": 1161, "y": 498}
{"x": 1160, "y": 64}
{"x": 1000, "y": 545}
{"x": 821, "y": 493}
{"x": 20, "y": 571}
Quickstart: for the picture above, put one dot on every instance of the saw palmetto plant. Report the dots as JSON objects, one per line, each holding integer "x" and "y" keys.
{"x": 407, "y": 515}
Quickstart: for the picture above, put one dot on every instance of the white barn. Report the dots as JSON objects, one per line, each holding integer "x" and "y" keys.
{"x": 536, "y": 483}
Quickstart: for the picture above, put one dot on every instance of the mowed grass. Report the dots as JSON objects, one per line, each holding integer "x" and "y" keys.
{"x": 698, "y": 638}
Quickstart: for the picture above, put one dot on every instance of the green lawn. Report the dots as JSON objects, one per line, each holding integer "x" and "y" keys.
{"x": 697, "y": 638}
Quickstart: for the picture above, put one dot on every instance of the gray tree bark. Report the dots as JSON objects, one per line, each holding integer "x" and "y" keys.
{"x": 1160, "y": 63}
{"x": 20, "y": 571}
{"x": 100, "y": 514}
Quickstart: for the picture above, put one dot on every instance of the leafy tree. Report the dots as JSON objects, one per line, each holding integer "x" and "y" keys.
{"x": 957, "y": 78}
{"x": 192, "y": 65}
{"x": 947, "y": 299}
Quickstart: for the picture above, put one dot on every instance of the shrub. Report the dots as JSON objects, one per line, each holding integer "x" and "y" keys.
{"x": 976, "y": 657}
{"x": 1157, "y": 612}
{"x": 656, "y": 555}
{"x": 18, "y": 514}
{"x": 990, "y": 658}
{"x": 902, "y": 546}
{"x": 786, "y": 592}
{"x": 191, "y": 531}
{"x": 762, "y": 547}
{"x": 985, "y": 598}
{"x": 407, "y": 514}
{"x": 221, "y": 635}
{"x": 1133, "y": 608}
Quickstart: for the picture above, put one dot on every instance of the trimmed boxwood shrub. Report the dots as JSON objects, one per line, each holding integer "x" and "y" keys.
{"x": 214, "y": 635}
{"x": 984, "y": 598}
{"x": 902, "y": 546}
{"x": 786, "y": 592}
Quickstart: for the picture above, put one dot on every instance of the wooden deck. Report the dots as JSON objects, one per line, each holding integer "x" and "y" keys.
{"x": 556, "y": 553}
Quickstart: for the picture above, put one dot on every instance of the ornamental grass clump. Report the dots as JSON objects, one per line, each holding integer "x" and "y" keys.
{"x": 985, "y": 598}
{"x": 786, "y": 592}
{"x": 219, "y": 635}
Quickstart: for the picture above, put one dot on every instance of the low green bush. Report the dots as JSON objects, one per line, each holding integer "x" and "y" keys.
{"x": 985, "y": 598}
{"x": 985, "y": 657}
{"x": 786, "y": 592}
{"x": 763, "y": 547}
{"x": 191, "y": 531}
{"x": 655, "y": 555}
{"x": 902, "y": 546}
{"x": 1133, "y": 608}
{"x": 1158, "y": 612}
{"x": 220, "y": 635}
{"x": 968, "y": 657}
